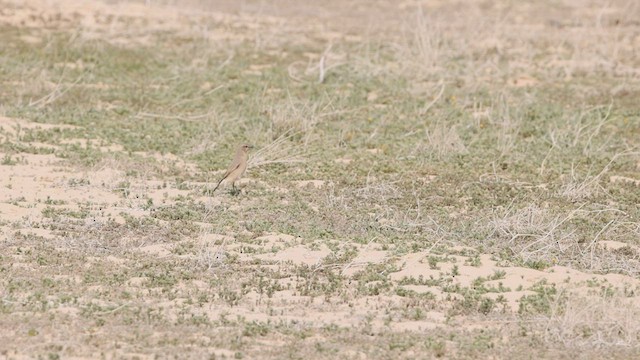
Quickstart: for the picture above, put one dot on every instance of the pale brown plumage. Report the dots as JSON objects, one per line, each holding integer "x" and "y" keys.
{"x": 237, "y": 167}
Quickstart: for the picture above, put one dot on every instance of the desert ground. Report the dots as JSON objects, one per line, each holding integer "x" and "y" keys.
{"x": 430, "y": 179}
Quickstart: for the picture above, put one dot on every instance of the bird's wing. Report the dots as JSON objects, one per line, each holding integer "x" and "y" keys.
{"x": 234, "y": 165}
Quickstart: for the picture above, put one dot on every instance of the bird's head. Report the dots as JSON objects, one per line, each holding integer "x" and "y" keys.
{"x": 246, "y": 147}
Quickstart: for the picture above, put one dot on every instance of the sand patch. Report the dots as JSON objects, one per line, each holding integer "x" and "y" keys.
{"x": 10, "y": 212}
{"x": 364, "y": 258}
{"x": 510, "y": 284}
{"x": 298, "y": 255}
{"x": 159, "y": 250}
{"x": 13, "y": 126}
{"x": 276, "y": 239}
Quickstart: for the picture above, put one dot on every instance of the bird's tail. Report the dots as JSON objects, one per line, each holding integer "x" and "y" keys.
{"x": 219, "y": 182}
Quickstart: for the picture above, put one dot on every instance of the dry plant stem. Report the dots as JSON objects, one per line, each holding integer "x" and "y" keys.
{"x": 346, "y": 267}
{"x": 592, "y": 245}
{"x": 277, "y": 152}
{"x": 55, "y": 94}
{"x": 142, "y": 115}
{"x": 198, "y": 98}
{"x": 548, "y": 234}
{"x": 426, "y": 108}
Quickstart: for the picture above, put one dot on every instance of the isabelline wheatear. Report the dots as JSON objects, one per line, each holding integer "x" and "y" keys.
{"x": 237, "y": 167}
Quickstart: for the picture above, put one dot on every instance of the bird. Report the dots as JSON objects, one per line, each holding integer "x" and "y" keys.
{"x": 237, "y": 167}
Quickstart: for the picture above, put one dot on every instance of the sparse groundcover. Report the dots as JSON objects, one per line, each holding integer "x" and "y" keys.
{"x": 449, "y": 183}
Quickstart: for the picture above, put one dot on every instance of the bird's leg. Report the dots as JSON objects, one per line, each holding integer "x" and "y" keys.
{"x": 234, "y": 190}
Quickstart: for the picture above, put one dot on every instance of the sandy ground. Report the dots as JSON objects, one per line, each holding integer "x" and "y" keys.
{"x": 40, "y": 193}
{"x": 30, "y": 187}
